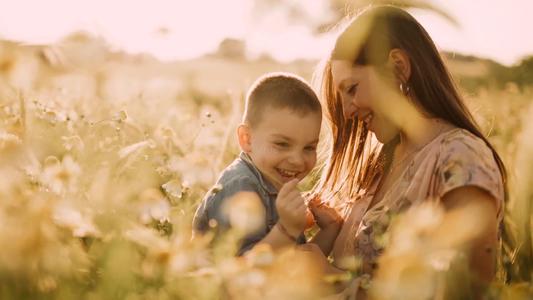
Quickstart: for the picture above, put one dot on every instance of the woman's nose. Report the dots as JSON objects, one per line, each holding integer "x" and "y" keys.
{"x": 350, "y": 108}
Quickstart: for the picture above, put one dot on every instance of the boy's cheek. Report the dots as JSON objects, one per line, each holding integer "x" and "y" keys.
{"x": 312, "y": 161}
{"x": 272, "y": 150}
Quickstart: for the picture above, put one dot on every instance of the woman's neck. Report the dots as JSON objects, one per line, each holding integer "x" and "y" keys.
{"x": 420, "y": 131}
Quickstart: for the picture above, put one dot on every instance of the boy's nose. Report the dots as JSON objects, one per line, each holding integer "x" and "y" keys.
{"x": 296, "y": 159}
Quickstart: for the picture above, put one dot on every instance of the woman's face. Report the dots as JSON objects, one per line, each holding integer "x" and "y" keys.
{"x": 366, "y": 95}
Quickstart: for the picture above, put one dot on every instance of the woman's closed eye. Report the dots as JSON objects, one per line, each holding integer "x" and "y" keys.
{"x": 351, "y": 90}
{"x": 310, "y": 148}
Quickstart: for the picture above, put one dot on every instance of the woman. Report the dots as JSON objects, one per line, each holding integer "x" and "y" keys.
{"x": 386, "y": 79}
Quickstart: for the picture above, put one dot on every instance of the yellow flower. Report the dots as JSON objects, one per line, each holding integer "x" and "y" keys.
{"x": 8, "y": 140}
{"x": 60, "y": 176}
{"x": 73, "y": 143}
{"x": 81, "y": 226}
{"x": 245, "y": 212}
{"x": 153, "y": 206}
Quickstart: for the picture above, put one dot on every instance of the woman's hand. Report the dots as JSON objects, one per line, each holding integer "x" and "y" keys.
{"x": 291, "y": 209}
{"x": 325, "y": 216}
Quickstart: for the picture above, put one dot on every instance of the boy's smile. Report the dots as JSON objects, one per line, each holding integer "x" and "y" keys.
{"x": 283, "y": 145}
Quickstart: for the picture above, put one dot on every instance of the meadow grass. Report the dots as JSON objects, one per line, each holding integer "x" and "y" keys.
{"x": 98, "y": 193}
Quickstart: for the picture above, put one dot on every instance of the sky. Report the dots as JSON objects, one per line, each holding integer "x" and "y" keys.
{"x": 183, "y": 29}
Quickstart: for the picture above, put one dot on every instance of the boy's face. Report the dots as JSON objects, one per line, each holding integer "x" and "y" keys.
{"x": 283, "y": 146}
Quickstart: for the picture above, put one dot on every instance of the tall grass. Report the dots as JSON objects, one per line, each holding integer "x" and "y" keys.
{"x": 97, "y": 196}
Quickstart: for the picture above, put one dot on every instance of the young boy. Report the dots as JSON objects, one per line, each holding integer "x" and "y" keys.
{"x": 278, "y": 138}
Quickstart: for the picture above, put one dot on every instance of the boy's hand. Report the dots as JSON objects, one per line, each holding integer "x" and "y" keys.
{"x": 291, "y": 208}
{"x": 325, "y": 216}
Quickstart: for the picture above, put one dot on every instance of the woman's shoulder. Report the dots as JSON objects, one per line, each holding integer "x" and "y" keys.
{"x": 465, "y": 159}
{"x": 459, "y": 142}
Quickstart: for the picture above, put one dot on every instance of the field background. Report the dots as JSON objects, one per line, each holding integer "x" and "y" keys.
{"x": 105, "y": 156}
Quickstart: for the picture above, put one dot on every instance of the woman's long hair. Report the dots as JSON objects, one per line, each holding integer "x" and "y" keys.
{"x": 354, "y": 158}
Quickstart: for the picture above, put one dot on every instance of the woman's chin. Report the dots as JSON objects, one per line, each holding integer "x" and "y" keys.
{"x": 385, "y": 136}
{"x": 381, "y": 139}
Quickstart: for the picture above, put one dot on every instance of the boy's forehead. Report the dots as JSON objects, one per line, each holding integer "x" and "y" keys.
{"x": 290, "y": 123}
{"x": 280, "y": 114}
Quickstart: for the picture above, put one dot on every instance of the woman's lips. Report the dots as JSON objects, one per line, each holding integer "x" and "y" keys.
{"x": 367, "y": 120}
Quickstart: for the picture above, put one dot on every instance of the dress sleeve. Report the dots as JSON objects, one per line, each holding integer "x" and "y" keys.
{"x": 468, "y": 161}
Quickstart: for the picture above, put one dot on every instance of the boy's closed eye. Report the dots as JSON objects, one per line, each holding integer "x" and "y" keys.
{"x": 282, "y": 144}
{"x": 287, "y": 145}
{"x": 310, "y": 148}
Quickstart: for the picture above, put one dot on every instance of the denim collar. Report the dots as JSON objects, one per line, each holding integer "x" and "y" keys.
{"x": 269, "y": 187}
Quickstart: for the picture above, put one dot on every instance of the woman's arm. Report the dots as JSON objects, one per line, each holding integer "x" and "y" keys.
{"x": 483, "y": 247}
{"x": 326, "y": 237}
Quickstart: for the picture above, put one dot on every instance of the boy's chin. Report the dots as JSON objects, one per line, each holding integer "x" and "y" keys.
{"x": 287, "y": 179}
{"x": 278, "y": 181}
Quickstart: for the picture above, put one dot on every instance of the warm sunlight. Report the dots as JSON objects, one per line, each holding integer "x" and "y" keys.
{"x": 253, "y": 149}
{"x": 184, "y": 29}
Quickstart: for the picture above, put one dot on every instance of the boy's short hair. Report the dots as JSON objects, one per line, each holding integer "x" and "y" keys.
{"x": 279, "y": 90}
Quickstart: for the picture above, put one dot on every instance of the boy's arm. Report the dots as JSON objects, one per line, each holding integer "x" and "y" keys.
{"x": 291, "y": 209}
{"x": 216, "y": 205}
{"x": 200, "y": 222}
{"x": 290, "y": 206}
{"x": 278, "y": 238}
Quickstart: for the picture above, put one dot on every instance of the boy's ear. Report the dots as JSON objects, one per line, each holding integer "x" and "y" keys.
{"x": 245, "y": 138}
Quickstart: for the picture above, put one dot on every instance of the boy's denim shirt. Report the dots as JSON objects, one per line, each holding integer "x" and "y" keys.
{"x": 240, "y": 175}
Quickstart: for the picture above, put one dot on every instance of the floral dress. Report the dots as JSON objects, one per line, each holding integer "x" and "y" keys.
{"x": 453, "y": 159}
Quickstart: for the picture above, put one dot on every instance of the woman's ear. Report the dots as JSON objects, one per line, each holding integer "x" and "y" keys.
{"x": 245, "y": 138}
{"x": 399, "y": 60}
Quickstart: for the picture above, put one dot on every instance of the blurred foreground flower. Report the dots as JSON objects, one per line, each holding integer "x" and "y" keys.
{"x": 73, "y": 143}
{"x": 426, "y": 243}
{"x": 8, "y": 140}
{"x": 81, "y": 226}
{"x": 245, "y": 212}
{"x": 153, "y": 206}
{"x": 35, "y": 250}
{"x": 60, "y": 176}
{"x": 264, "y": 274}
{"x": 175, "y": 257}
{"x": 174, "y": 189}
